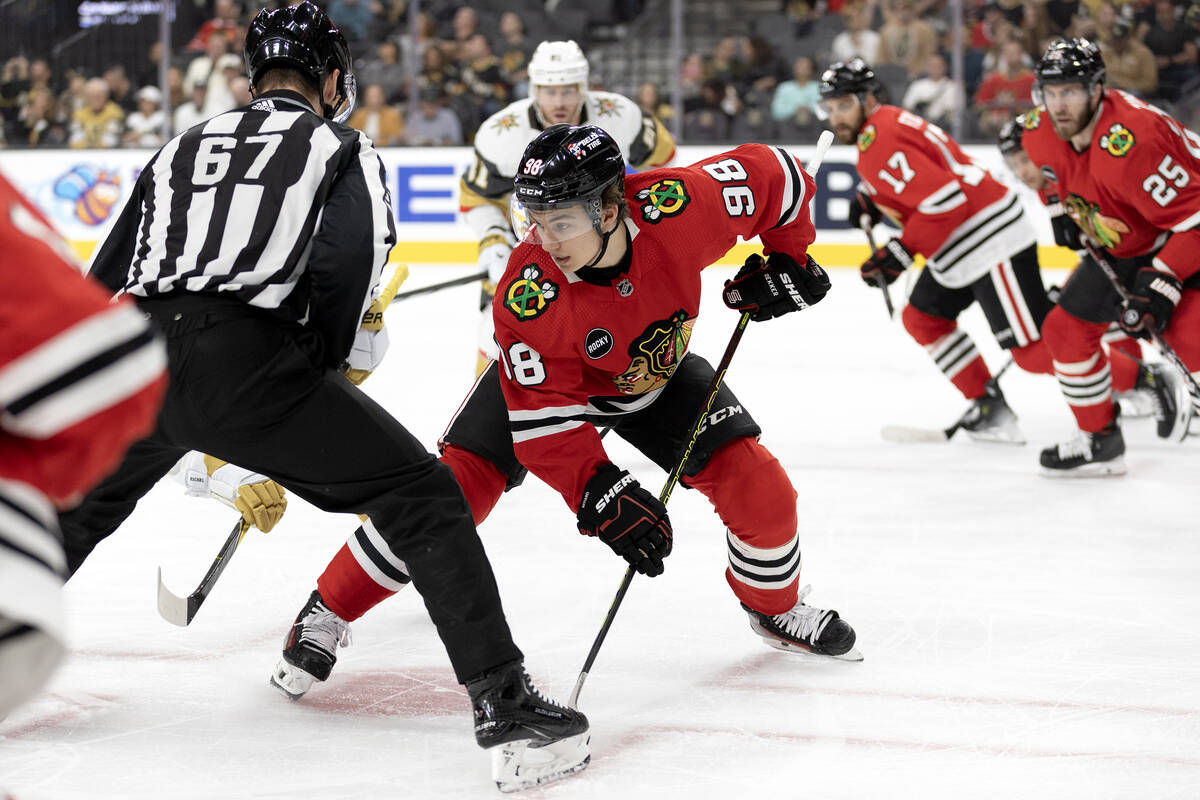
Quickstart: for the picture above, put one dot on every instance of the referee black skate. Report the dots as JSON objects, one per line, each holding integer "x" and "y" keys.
{"x": 255, "y": 241}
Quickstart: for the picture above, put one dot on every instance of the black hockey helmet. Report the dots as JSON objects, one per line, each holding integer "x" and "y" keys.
{"x": 1070, "y": 61}
{"x": 1009, "y": 139}
{"x": 302, "y": 38}
{"x": 848, "y": 77}
{"x": 568, "y": 165}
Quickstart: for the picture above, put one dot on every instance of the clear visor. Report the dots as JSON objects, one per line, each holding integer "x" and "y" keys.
{"x": 1073, "y": 93}
{"x": 555, "y": 226}
{"x": 350, "y": 92}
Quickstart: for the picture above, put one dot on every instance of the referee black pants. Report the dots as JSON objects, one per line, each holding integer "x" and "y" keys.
{"x": 247, "y": 388}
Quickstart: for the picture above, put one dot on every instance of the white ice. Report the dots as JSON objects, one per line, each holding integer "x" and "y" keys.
{"x": 1023, "y": 637}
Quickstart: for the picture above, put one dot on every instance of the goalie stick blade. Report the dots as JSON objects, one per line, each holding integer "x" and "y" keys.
{"x": 904, "y": 434}
{"x": 173, "y": 608}
{"x": 517, "y": 766}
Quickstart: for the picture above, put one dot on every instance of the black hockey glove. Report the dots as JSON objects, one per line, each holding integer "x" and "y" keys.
{"x": 627, "y": 518}
{"x": 771, "y": 288}
{"x": 861, "y": 205}
{"x": 1066, "y": 232}
{"x": 1151, "y": 303}
{"x": 886, "y": 264}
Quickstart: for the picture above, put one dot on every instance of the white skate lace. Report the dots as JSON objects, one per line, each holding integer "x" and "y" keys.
{"x": 325, "y": 629}
{"x": 803, "y": 622}
{"x": 1080, "y": 446}
{"x": 536, "y": 692}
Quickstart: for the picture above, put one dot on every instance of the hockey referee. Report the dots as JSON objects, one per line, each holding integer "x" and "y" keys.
{"x": 255, "y": 241}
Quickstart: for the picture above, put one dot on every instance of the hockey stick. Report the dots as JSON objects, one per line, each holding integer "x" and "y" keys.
{"x": 906, "y": 434}
{"x": 1168, "y": 352}
{"x": 437, "y": 287}
{"x": 181, "y": 610}
{"x": 864, "y": 222}
{"x": 822, "y": 147}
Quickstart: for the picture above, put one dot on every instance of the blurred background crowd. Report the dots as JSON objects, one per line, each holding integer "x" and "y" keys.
{"x": 97, "y": 75}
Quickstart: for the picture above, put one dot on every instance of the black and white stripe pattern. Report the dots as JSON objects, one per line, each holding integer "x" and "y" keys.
{"x": 31, "y": 559}
{"x": 547, "y": 421}
{"x": 953, "y": 352}
{"x": 947, "y": 198}
{"x": 1082, "y": 384}
{"x": 793, "y": 187}
{"x": 764, "y": 568}
{"x": 987, "y": 238}
{"x": 376, "y": 558}
{"x": 78, "y": 373}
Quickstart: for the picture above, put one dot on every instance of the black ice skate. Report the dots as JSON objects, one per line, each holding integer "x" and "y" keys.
{"x": 1088, "y": 455}
{"x": 533, "y": 739}
{"x": 989, "y": 419}
{"x": 806, "y": 628}
{"x": 310, "y": 650}
{"x": 1171, "y": 403}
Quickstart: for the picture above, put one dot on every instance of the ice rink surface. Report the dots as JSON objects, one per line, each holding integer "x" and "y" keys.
{"x": 1023, "y": 637}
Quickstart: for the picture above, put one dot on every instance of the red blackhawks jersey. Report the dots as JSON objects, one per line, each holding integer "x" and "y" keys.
{"x": 570, "y": 350}
{"x": 953, "y": 212}
{"x": 1136, "y": 188}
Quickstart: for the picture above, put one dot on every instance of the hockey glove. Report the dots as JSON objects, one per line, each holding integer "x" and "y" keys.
{"x": 861, "y": 205}
{"x": 1151, "y": 303}
{"x": 260, "y": 500}
{"x": 771, "y": 288}
{"x": 627, "y": 518}
{"x": 1066, "y": 232}
{"x": 494, "y": 250}
{"x": 886, "y": 264}
{"x": 370, "y": 345}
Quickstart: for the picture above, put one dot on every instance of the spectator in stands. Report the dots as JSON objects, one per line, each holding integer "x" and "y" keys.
{"x": 14, "y": 85}
{"x": 858, "y": 39}
{"x": 514, "y": 50}
{"x": 203, "y": 67}
{"x": 707, "y": 117}
{"x": 381, "y": 122}
{"x": 225, "y": 25}
{"x": 384, "y": 69}
{"x": 239, "y": 87}
{"x": 1005, "y": 92}
{"x": 437, "y": 71}
{"x": 1128, "y": 63}
{"x": 39, "y": 124}
{"x": 935, "y": 96}
{"x": 100, "y": 122}
{"x": 763, "y": 72}
{"x": 1175, "y": 52}
{"x": 426, "y": 38}
{"x": 71, "y": 99}
{"x": 464, "y": 25}
{"x": 120, "y": 90}
{"x": 432, "y": 124}
{"x": 220, "y": 95}
{"x": 192, "y": 112}
{"x": 483, "y": 80}
{"x": 354, "y": 18}
{"x": 691, "y": 76}
{"x": 796, "y": 100}
{"x": 143, "y": 128}
{"x": 726, "y": 63}
{"x": 650, "y": 101}
{"x": 906, "y": 40}
{"x": 175, "y": 93}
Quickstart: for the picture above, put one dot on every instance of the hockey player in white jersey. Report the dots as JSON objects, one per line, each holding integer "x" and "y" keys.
{"x": 558, "y": 92}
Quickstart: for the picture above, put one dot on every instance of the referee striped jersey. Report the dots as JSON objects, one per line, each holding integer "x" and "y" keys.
{"x": 271, "y": 204}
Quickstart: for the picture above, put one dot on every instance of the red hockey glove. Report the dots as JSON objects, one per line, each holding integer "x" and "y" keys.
{"x": 627, "y": 518}
{"x": 861, "y": 205}
{"x": 1151, "y": 303}
{"x": 776, "y": 286}
{"x": 886, "y": 264}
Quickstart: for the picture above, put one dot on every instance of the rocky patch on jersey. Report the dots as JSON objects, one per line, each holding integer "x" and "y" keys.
{"x": 655, "y": 354}
{"x": 529, "y": 295}
{"x": 598, "y": 343}
{"x": 1104, "y": 229}
{"x": 1118, "y": 141}
{"x": 866, "y": 138}
{"x": 664, "y": 198}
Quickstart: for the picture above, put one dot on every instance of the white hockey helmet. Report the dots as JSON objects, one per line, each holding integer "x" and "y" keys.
{"x": 558, "y": 64}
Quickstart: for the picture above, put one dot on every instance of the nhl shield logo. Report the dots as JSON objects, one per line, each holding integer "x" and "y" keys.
{"x": 625, "y": 287}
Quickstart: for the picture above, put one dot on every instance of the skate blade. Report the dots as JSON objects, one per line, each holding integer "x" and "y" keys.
{"x": 290, "y": 680}
{"x": 853, "y": 654}
{"x": 517, "y": 765}
{"x": 903, "y": 434}
{"x": 1104, "y": 469}
{"x": 1009, "y": 434}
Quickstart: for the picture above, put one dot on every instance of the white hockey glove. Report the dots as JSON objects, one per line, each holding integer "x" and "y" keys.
{"x": 260, "y": 500}
{"x": 370, "y": 345}
{"x": 494, "y": 250}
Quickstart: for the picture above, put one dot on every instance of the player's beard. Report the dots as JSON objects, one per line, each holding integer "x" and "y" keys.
{"x": 1075, "y": 123}
{"x": 847, "y": 134}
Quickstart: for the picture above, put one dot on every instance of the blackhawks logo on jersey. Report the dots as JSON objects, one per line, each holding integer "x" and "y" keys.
{"x": 664, "y": 198}
{"x": 655, "y": 354}
{"x": 1118, "y": 141}
{"x": 1031, "y": 119}
{"x": 866, "y": 138}
{"x": 529, "y": 295}
{"x": 1104, "y": 229}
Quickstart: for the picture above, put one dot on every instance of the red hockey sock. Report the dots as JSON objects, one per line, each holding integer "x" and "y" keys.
{"x": 482, "y": 483}
{"x": 347, "y": 587}
{"x": 1124, "y": 369}
{"x": 755, "y": 499}
{"x": 1081, "y": 367}
{"x": 952, "y": 350}
{"x": 1034, "y": 357}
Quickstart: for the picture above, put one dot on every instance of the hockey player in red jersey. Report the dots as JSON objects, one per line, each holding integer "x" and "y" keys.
{"x": 972, "y": 230}
{"x": 593, "y": 318}
{"x": 80, "y": 379}
{"x": 1130, "y": 179}
{"x": 1142, "y": 388}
